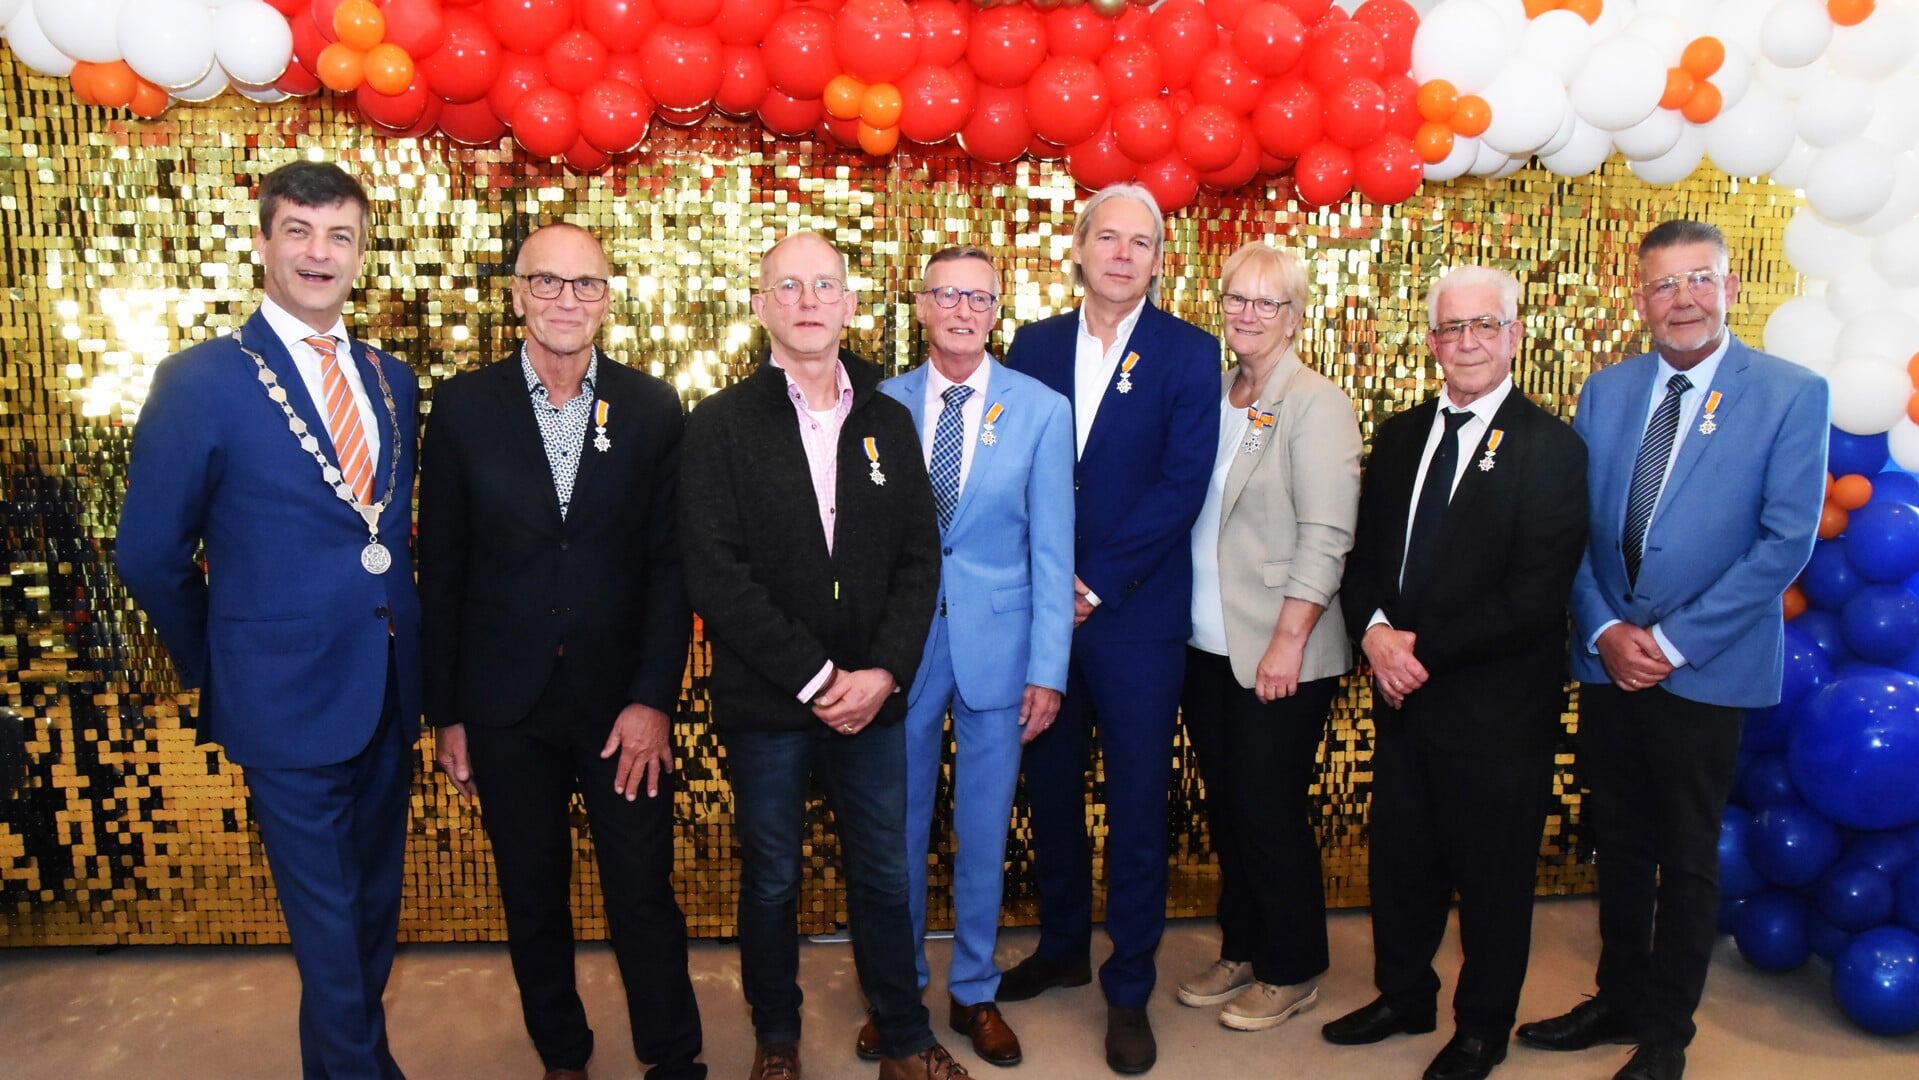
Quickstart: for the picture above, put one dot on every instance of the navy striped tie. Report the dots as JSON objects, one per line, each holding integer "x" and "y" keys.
{"x": 944, "y": 469}
{"x": 1649, "y": 473}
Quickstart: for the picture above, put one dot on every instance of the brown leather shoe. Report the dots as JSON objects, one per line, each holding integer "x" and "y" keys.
{"x": 992, "y": 1039}
{"x": 932, "y": 1063}
{"x": 867, "y": 1046}
{"x": 565, "y": 1074}
{"x": 776, "y": 1061}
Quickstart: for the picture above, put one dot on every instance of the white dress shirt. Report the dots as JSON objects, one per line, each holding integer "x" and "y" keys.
{"x": 971, "y": 414}
{"x": 1093, "y": 368}
{"x": 306, "y": 360}
{"x": 1209, "y": 610}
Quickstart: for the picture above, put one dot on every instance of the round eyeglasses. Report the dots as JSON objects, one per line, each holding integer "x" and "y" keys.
{"x": 949, "y": 296}
{"x": 826, "y": 290}
{"x": 587, "y": 290}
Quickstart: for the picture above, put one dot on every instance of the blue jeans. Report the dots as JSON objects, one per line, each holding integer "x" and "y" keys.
{"x": 864, "y": 778}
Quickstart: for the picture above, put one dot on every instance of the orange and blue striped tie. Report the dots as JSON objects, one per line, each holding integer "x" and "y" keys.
{"x": 343, "y": 421}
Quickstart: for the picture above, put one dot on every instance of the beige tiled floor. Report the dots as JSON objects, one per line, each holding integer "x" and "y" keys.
{"x": 162, "y": 1013}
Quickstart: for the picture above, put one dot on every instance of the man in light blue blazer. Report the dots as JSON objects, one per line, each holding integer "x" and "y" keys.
{"x": 1707, "y": 473}
{"x": 999, "y": 450}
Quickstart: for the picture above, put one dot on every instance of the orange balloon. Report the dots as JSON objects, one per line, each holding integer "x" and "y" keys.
{"x": 1473, "y": 116}
{"x": 1436, "y": 100}
{"x": 81, "y": 79}
{"x": 842, "y": 97}
{"x": 388, "y": 68}
{"x": 1912, "y": 408}
{"x": 1912, "y": 370}
{"x": 1585, "y": 9}
{"x": 1679, "y": 87}
{"x": 881, "y": 106}
{"x": 1434, "y": 141}
{"x": 341, "y": 67}
{"x": 114, "y": 84}
{"x": 1830, "y": 481}
{"x": 1702, "y": 57}
{"x": 877, "y": 141}
{"x": 1851, "y": 492}
{"x": 359, "y": 24}
{"x": 1832, "y": 521}
{"x": 1703, "y": 105}
{"x": 149, "y": 101}
{"x": 1536, "y": 8}
{"x": 1849, "y": 12}
{"x": 1794, "y": 602}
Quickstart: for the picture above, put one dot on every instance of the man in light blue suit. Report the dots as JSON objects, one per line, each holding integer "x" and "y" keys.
{"x": 285, "y": 451}
{"x": 1707, "y": 472}
{"x": 999, "y": 450}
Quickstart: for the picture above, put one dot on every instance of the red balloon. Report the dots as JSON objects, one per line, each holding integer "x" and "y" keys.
{"x": 307, "y": 41}
{"x": 428, "y": 120}
{"x": 1209, "y": 137}
{"x": 1183, "y": 33}
{"x": 843, "y": 133}
{"x": 416, "y": 26}
{"x": 288, "y": 7}
{"x": 614, "y": 116}
{"x": 943, "y": 27}
{"x": 1042, "y": 150}
{"x": 467, "y": 63}
{"x": 1225, "y": 80}
{"x": 1066, "y": 100}
{"x": 529, "y": 26}
{"x": 997, "y": 131}
{"x": 546, "y": 121}
{"x": 575, "y": 61}
{"x": 396, "y": 111}
{"x": 1098, "y": 162}
{"x": 1173, "y": 183}
{"x": 1132, "y": 24}
{"x": 622, "y": 24}
{"x": 1228, "y": 13}
{"x": 798, "y": 53}
{"x": 743, "y": 81}
{"x": 519, "y": 75}
{"x": 874, "y": 40}
{"x": 685, "y": 117}
{"x": 687, "y": 12}
{"x": 471, "y": 123}
{"x": 1077, "y": 31}
{"x": 297, "y": 81}
{"x": 1133, "y": 70}
{"x": 1239, "y": 173}
{"x": 1289, "y": 118}
{"x": 1143, "y": 129}
{"x": 1402, "y": 104}
{"x": 789, "y": 116}
{"x": 1323, "y": 175}
{"x": 744, "y": 22}
{"x": 1347, "y": 50}
{"x": 322, "y": 14}
{"x": 1390, "y": 170}
{"x": 682, "y": 65}
{"x": 583, "y": 157}
{"x": 1396, "y": 21}
{"x": 628, "y": 68}
{"x": 1005, "y": 45}
{"x": 1311, "y": 11}
{"x": 1274, "y": 166}
{"x": 1355, "y": 112}
{"x": 938, "y": 102}
{"x": 1270, "y": 38}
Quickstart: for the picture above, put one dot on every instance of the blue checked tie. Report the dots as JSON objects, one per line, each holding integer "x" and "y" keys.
{"x": 944, "y": 470}
{"x": 1649, "y": 473}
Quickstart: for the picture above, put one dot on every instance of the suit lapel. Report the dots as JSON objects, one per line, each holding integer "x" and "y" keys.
{"x": 1270, "y": 397}
{"x": 985, "y": 457}
{"x": 1112, "y": 403}
{"x": 619, "y": 427}
{"x": 521, "y": 430}
{"x": 383, "y": 469}
{"x": 1400, "y": 471}
{"x": 1730, "y": 383}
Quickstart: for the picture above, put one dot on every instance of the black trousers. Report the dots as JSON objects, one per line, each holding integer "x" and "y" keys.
{"x": 1660, "y": 769}
{"x": 527, "y": 774}
{"x": 1258, "y": 760}
{"x": 1443, "y": 821}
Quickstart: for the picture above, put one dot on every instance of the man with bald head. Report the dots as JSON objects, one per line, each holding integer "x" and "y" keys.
{"x": 556, "y": 629}
{"x": 812, "y": 557}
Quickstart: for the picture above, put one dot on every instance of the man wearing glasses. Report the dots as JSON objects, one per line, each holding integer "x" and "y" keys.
{"x": 1472, "y": 514}
{"x": 556, "y": 628}
{"x": 1708, "y": 474}
{"x": 999, "y": 450}
{"x": 812, "y": 555}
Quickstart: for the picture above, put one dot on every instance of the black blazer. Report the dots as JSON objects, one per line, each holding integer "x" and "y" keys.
{"x": 775, "y": 604}
{"x": 1491, "y": 619}
{"x": 505, "y": 582}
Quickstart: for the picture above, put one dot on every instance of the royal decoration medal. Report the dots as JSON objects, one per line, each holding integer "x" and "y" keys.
{"x": 987, "y": 435}
{"x": 873, "y": 456}
{"x": 1709, "y": 425}
{"x": 1126, "y": 373}
{"x": 1492, "y": 447}
{"x": 1256, "y": 424}
{"x": 600, "y": 441}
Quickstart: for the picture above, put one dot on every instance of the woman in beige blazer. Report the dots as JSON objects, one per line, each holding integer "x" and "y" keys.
{"x": 1269, "y": 643}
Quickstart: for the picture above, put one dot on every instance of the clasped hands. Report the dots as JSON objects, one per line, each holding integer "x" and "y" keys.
{"x": 1632, "y": 657}
{"x": 851, "y": 699}
{"x": 1396, "y": 671}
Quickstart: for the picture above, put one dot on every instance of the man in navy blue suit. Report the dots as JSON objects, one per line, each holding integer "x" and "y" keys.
{"x": 285, "y": 451}
{"x": 1145, "y": 388}
{"x": 1707, "y": 474}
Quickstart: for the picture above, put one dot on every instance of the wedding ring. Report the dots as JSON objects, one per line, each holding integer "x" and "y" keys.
{"x": 848, "y": 728}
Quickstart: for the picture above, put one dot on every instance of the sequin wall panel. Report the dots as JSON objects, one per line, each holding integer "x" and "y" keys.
{"x": 126, "y": 242}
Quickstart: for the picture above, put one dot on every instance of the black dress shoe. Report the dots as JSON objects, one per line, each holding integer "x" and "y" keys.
{"x": 1129, "y": 1040}
{"x": 1371, "y": 1023}
{"x": 1467, "y": 1057}
{"x": 1654, "y": 1061}
{"x": 1037, "y": 974}
{"x": 1590, "y": 1023}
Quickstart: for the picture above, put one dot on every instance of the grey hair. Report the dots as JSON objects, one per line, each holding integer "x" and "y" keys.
{"x": 1506, "y": 286}
{"x": 1138, "y": 194}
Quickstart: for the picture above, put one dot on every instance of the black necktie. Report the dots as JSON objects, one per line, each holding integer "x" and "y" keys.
{"x": 1649, "y": 473}
{"x": 1434, "y": 494}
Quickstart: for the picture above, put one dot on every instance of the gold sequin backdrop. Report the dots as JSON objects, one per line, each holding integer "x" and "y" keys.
{"x": 124, "y": 242}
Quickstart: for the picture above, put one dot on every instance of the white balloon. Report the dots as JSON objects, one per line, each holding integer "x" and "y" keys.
{"x": 1792, "y": 82}
{"x": 30, "y": 44}
{"x": 1793, "y": 171}
{"x": 1820, "y": 249}
{"x": 1895, "y": 254}
{"x": 1851, "y": 181}
{"x": 1753, "y": 137}
{"x": 1859, "y": 291}
{"x": 1677, "y": 163}
{"x": 1465, "y": 44}
{"x": 83, "y": 29}
{"x": 211, "y": 86}
{"x": 1568, "y": 127}
{"x": 1805, "y": 331}
{"x": 1620, "y": 85}
{"x": 1585, "y": 152}
{"x": 1900, "y": 206}
{"x": 1877, "y": 47}
{"x": 1512, "y": 166}
{"x": 1868, "y": 394}
{"x": 1465, "y": 151}
{"x": 1693, "y": 16}
{"x": 252, "y": 41}
{"x": 1662, "y": 34}
{"x": 268, "y": 93}
{"x": 1795, "y": 32}
{"x": 1902, "y": 444}
{"x": 1895, "y": 123}
{"x": 1734, "y": 76}
{"x": 1488, "y": 161}
{"x": 1650, "y": 137}
{"x": 1879, "y": 333}
{"x": 1614, "y": 17}
{"x": 1527, "y": 102}
{"x": 168, "y": 42}
{"x": 1832, "y": 110}
{"x": 7, "y": 10}
{"x": 1733, "y": 24}
{"x": 1512, "y": 13}
{"x": 1558, "y": 40}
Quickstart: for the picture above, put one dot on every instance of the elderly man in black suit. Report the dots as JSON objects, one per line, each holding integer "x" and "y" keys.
{"x": 1472, "y": 515}
{"x": 556, "y": 628}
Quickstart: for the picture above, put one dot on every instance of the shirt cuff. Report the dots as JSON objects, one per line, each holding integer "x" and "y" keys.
{"x": 1673, "y": 655}
{"x": 1592, "y": 643}
{"x": 1092, "y": 598}
{"x": 1379, "y": 616}
{"x": 814, "y": 686}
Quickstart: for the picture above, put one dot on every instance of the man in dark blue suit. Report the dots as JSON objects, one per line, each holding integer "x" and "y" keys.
{"x": 1144, "y": 387}
{"x": 1707, "y": 474}
{"x": 285, "y": 450}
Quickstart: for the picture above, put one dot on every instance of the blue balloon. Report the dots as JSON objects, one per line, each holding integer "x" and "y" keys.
{"x": 1829, "y": 579}
{"x": 1894, "y": 485}
{"x": 1767, "y": 781}
{"x": 1880, "y": 623}
{"x": 1791, "y": 844}
{"x": 1807, "y": 669}
{"x": 1855, "y": 896}
{"x": 1882, "y": 541}
{"x": 1905, "y": 898}
{"x": 1773, "y": 931}
{"x": 1854, "y": 754}
{"x": 1824, "y": 629}
{"x": 1885, "y": 852}
{"x": 1729, "y": 909}
{"x": 1828, "y": 941}
{"x": 1876, "y": 981}
{"x": 1737, "y": 878}
{"x": 1847, "y": 454}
